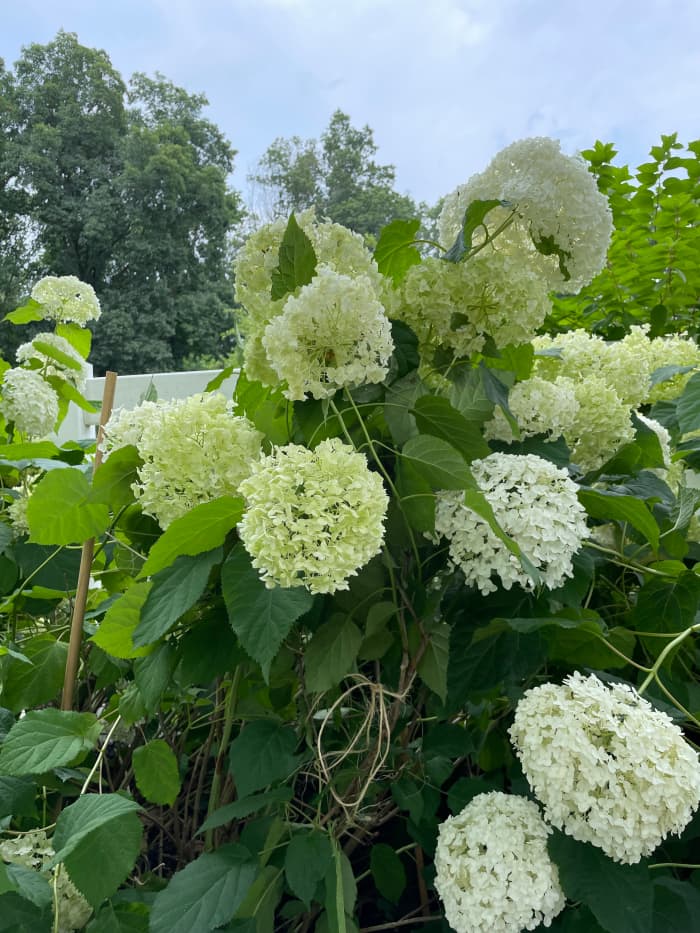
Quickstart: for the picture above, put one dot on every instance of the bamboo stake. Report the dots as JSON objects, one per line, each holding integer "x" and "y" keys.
{"x": 81, "y": 593}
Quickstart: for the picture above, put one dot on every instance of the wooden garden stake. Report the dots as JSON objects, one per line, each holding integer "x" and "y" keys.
{"x": 76, "y": 630}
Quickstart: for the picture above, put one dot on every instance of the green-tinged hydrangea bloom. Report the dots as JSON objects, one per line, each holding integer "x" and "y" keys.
{"x": 65, "y": 298}
{"x": 335, "y": 246}
{"x": 493, "y": 871}
{"x": 676, "y": 350}
{"x": 608, "y": 768}
{"x": 602, "y": 426}
{"x": 534, "y": 502}
{"x": 50, "y": 366}
{"x": 314, "y": 517}
{"x": 539, "y": 407}
{"x": 28, "y": 401}
{"x": 623, "y": 365}
{"x": 557, "y": 201}
{"x": 193, "y": 450}
{"x": 33, "y": 850}
{"x": 334, "y": 333}
{"x": 456, "y": 305}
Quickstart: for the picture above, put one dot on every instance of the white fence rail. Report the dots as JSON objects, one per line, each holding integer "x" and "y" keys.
{"x": 131, "y": 390}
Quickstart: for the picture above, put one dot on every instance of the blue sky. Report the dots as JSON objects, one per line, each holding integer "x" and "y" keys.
{"x": 443, "y": 83}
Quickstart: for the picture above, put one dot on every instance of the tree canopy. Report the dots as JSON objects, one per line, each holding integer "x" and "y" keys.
{"x": 338, "y": 175}
{"x": 125, "y": 186}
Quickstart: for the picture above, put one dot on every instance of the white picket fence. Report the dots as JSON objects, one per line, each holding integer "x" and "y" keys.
{"x": 131, "y": 390}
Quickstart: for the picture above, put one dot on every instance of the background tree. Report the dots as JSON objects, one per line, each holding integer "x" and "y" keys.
{"x": 127, "y": 189}
{"x": 337, "y": 175}
{"x": 653, "y": 270}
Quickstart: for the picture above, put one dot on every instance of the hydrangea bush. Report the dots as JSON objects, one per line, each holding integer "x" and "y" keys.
{"x": 400, "y": 636}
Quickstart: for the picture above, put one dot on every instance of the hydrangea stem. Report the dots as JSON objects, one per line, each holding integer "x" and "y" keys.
{"x": 653, "y": 673}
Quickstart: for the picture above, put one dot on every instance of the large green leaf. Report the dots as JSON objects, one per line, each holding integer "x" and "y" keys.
{"x": 432, "y": 668}
{"x": 474, "y": 217}
{"x": 396, "y": 250}
{"x": 262, "y": 754}
{"x": 625, "y": 509}
{"x": 115, "y": 633}
{"x": 48, "y": 349}
{"x": 306, "y": 861}
{"x": 297, "y": 261}
{"x": 120, "y": 918}
{"x": 156, "y": 771}
{"x": 261, "y": 617}
{"x": 203, "y": 528}
{"x": 28, "y": 685}
{"x": 438, "y": 462}
{"x": 206, "y": 894}
{"x": 174, "y": 591}
{"x": 244, "y": 807}
{"x": 388, "y": 872}
{"x": 620, "y": 897}
{"x": 469, "y": 397}
{"x": 17, "y": 796}
{"x": 436, "y": 416}
{"x": 688, "y": 406}
{"x": 98, "y": 839}
{"x": 46, "y": 739}
{"x": 667, "y": 605}
{"x": 59, "y": 511}
{"x": 401, "y": 397}
{"x": 331, "y": 653}
{"x": 112, "y": 483}
{"x": 18, "y": 915}
{"x": 78, "y": 337}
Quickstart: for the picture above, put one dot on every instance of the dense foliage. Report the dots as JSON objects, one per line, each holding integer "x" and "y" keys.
{"x": 401, "y": 637}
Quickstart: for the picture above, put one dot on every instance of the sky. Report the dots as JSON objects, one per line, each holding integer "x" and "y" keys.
{"x": 444, "y": 84}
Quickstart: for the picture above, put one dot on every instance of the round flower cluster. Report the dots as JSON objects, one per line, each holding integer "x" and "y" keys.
{"x": 75, "y": 372}
{"x": 494, "y": 874}
{"x": 28, "y": 401}
{"x": 34, "y": 851}
{"x": 623, "y": 365}
{"x": 602, "y": 426}
{"x": 65, "y": 298}
{"x": 334, "y": 333}
{"x": 608, "y": 768}
{"x": 193, "y": 450}
{"x": 456, "y": 305}
{"x": 539, "y": 407}
{"x": 557, "y": 201}
{"x": 535, "y": 504}
{"x": 335, "y": 247}
{"x": 314, "y": 517}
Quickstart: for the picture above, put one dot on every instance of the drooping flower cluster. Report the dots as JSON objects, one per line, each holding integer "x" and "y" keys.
{"x": 334, "y": 333}
{"x": 314, "y": 517}
{"x": 29, "y": 402}
{"x": 494, "y": 874}
{"x": 65, "y": 298}
{"x": 336, "y": 248}
{"x": 75, "y": 372}
{"x": 457, "y": 305}
{"x": 34, "y": 851}
{"x": 534, "y": 502}
{"x": 193, "y": 450}
{"x": 557, "y": 202}
{"x": 608, "y": 768}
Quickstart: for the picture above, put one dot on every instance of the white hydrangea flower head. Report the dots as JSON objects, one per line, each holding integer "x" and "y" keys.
{"x": 624, "y": 365}
{"x": 28, "y": 401}
{"x": 608, "y": 768}
{"x": 193, "y": 450}
{"x": 335, "y": 246}
{"x": 557, "y": 199}
{"x": 493, "y": 871}
{"x": 65, "y": 298}
{"x": 76, "y": 376}
{"x": 34, "y": 850}
{"x": 455, "y": 305}
{"x": 539, "y": 407}
{"x": 602, "y": 426}
{"x": 534, "y": 502}
{"x": 313, "y": 517}
{"x": 334, "y": 333}
{"x": 675, "y": 350}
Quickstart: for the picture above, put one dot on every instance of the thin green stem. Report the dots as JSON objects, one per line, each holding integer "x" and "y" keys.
{"x": 100, "y": 756}
{"x": 229, "y": 718}
{"x": 653, "y": 673}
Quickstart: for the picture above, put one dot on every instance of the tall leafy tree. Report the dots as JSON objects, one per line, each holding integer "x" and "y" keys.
{"x": 338, "y": 175}
{"x": 126, "y": 187}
